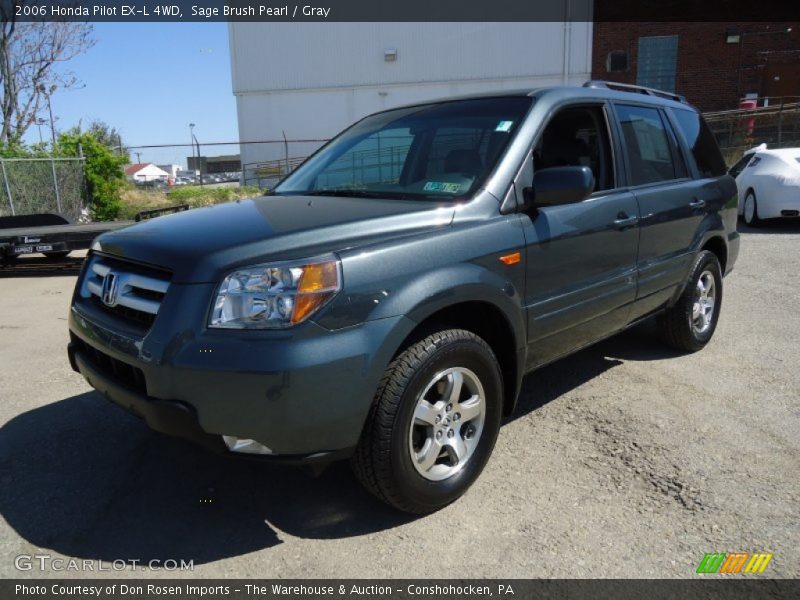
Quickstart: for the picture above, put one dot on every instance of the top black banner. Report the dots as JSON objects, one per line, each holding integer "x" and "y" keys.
{"x": 402, "y": 10}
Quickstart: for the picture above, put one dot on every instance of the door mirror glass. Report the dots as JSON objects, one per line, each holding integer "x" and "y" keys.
{"x": 559, "y": 185}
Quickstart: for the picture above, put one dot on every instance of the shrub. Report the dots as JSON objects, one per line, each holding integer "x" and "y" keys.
{"x": 136, "y": 199}
{"x": 105, "y": 177}
{"x": 195, "y": 195}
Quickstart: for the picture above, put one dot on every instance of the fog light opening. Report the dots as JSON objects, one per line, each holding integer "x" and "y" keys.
{"x": 245, "y": 446}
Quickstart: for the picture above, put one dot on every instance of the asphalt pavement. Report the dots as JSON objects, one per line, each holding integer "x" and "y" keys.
{"x": 625, "y": 460}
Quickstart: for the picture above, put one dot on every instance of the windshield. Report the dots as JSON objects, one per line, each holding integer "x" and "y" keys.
{"x": 435, "y": 151}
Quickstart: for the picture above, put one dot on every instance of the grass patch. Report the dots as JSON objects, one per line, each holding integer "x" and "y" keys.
{"x": 135, "y": 199}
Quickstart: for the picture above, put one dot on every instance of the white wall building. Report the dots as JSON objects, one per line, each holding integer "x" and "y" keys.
{"x": 171, "y": 169}
{"x": 145, "y": 172}
{"x": 311, "y": 80}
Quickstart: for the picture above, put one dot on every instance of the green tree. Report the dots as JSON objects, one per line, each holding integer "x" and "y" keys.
{"x": 14, "y": 150}
{"x": 107, "y": 135}
{"x": 105, "y": 176}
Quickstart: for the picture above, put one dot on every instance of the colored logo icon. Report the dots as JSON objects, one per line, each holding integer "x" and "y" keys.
{"x": 734, "y": 562}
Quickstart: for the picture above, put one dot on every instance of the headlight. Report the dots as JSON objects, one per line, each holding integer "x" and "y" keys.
{"x": 275, "y": 296}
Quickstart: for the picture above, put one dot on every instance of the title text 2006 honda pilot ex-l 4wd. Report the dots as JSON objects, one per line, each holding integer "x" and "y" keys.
{"x": 384, "y": 301}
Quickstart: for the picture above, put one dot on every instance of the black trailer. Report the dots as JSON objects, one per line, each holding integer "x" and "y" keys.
{"x": 54, "y": 236}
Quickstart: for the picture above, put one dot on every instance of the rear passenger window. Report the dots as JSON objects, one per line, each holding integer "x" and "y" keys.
{"x": 700, "y": 139}
{"x": 647, "y": 143}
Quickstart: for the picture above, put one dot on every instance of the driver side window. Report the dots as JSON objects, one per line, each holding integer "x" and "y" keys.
{"x": 577, "y": 137}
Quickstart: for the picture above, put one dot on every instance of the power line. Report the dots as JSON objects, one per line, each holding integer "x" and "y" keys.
{"x": 224, "y": 143}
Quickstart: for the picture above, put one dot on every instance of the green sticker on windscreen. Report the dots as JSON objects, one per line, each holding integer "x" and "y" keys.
{"x": 504, "y": 126}
{"x": 442, "y": 186}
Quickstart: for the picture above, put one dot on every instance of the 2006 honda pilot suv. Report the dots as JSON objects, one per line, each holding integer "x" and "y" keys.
{"x": 385, "y": 300}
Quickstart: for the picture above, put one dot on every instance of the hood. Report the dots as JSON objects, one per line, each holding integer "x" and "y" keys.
{"x": 204, "y": 244}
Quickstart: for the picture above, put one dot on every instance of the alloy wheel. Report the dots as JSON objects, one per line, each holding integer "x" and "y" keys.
{"x": 704, "y": 301}
{"x": 447, "y": 424}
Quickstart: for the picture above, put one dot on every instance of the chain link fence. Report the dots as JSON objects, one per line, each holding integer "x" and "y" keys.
{"x": 58, "y": 185}
{"x": 42, "y": 185}
{"x": 775, "y": 123}
{"x": 225, "y": 161}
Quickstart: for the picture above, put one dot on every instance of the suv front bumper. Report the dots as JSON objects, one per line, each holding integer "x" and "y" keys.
{"x": 304, "y": 394}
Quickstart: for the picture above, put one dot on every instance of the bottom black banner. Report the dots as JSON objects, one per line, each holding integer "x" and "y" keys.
{"x": 405, "y": 589}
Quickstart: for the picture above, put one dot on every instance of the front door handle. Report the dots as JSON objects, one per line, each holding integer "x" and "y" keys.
{"x": 623, "y": 221}
{"x": 697, "y": 203}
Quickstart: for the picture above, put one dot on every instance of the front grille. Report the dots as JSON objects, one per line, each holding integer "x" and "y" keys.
{"x": 123, "y": 312}
{"x": 120, "y": 372}
{"x": 128, "y": 291}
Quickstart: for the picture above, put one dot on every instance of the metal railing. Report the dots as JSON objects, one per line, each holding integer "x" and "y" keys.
{"x": 267, "y": 174}
{"x": 776, "y": 122}
{"x": 375, "y": 165}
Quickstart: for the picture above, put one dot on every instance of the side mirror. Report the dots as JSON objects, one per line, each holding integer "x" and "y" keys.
{"x": 559, "y": 185}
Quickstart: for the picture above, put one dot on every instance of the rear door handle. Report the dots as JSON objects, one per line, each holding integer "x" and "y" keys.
{"x": 697, "y": 203}
{"x": 624, "y": 221}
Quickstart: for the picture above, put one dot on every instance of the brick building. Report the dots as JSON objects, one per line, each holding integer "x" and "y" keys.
{"x": 713, "y": 64}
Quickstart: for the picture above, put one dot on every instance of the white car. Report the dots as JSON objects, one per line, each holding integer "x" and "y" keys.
{"x": 768, "y": 182}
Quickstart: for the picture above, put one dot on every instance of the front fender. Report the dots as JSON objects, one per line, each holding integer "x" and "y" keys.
{"x": 424, "y": 294}
{"x": 448, "y": 286}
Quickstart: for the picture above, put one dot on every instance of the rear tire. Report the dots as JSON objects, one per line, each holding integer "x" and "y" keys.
{"x": 433, "y": 423}
{"x": 690, "y": 323}
{"x": 750, "y": 212}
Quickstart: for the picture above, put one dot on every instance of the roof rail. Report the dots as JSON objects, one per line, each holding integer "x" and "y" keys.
{"x": 636, "y": 89}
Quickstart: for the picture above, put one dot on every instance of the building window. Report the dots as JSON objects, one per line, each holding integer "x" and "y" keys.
{"x": 617, "y": 61}
{"x": 657, "y": 62}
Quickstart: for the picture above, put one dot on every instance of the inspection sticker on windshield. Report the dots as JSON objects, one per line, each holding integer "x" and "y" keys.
{"x": 504, "y": 126}
{"x": 442, "y": 186}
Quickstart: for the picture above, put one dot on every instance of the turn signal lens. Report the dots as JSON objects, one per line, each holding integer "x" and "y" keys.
{"x": 317, "y": 285}
{"x": 511, "y": 259}
{"x": 320, "y": 277}
{"x": 306, "y": 305}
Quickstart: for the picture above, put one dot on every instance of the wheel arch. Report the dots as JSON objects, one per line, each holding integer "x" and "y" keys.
{"x": 486, "y": 320}
{"x": 716, "y": 244}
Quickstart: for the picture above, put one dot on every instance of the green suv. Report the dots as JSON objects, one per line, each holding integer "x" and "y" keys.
{"x": 384, "y": 301}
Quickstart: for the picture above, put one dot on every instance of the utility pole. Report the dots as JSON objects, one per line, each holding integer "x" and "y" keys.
{"x": 50, "y": 110}
{"x": 199, "y": 159}
{"x": 191, "y": 144}
{"x": 47, "y": 91}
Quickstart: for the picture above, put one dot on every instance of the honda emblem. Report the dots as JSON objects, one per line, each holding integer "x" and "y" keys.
{"x": 109, "y": 296}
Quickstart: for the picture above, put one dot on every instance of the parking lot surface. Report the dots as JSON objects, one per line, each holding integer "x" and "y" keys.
{"x": 625, "y": 460}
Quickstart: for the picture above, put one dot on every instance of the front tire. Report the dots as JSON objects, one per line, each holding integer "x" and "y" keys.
{"x": 750, "y": 212}
{"x": 690, "y": 323}
{"x": 433, "y": 424}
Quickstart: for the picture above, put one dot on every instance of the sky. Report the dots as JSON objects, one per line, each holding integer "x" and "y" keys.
{"x": 150, "y": 80}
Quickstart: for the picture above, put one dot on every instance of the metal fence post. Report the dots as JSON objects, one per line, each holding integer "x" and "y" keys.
{"x": 8, "y": 188}
{"x": 285, "y": 151}
{"x": 83, "y": 175}
{"x": 55, "y": 183}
